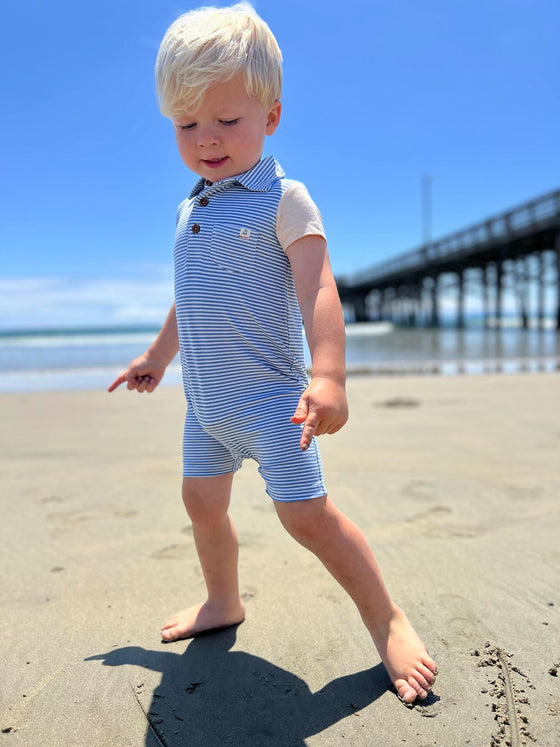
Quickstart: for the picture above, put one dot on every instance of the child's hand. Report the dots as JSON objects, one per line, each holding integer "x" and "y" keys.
{"x": 322, "y": 408}
{"x": 143, "y": 374}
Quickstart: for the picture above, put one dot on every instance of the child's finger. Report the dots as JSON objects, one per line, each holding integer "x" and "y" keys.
{"x": 117, "y": 382}
{"x": 308, "y": 432}
{"x": 335, "y": 428}
{"x": 142, "y": 383}
{"x": 301, "y": 412}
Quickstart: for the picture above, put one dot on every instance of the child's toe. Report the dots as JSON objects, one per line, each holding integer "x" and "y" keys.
{"x": 420, "y": 690}
{"x": 405, "y": 691}
{"x": 426, "y": 677}
{"x": 428, "y": 662}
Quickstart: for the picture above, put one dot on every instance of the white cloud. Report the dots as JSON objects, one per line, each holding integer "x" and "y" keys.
{"x": 35, "y": 302}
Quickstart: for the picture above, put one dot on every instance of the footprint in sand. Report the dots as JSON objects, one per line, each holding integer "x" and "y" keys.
{"x": 53, "y": 499}
{"x": 524, "y": 492}
{"x": 462, "y": 624}
{"x": 172, "y": 552}
{"x": 419, "y": 490}
{"x": 428, "y": 523}
{"x": 435, "y": 512}
{"x": 67, "y": 520}
{"x": 249, "y": 592}
{"x": 402, "y": 403}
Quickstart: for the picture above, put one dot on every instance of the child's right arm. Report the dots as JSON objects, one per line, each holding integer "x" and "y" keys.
{"x": 146, "y": 371}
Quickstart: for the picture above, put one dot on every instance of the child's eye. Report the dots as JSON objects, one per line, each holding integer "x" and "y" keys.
{"x": 188, "y": 126}
{"x": 230, "y": 122}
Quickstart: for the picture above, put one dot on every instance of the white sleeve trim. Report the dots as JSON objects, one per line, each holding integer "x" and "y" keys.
{"x": 297, "y": 216}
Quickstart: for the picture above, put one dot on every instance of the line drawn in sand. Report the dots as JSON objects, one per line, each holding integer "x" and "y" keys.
{"x": 507, "y": 698}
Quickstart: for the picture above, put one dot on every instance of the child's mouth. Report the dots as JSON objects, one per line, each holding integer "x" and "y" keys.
{"x": 213, "y": 163}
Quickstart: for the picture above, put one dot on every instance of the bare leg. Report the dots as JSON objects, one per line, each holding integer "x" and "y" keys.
{"x": 318, "y": 525}
{"x": 207, "y": 500}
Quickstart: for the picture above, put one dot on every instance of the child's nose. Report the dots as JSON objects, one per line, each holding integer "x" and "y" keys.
{"x": 207, "y": 136}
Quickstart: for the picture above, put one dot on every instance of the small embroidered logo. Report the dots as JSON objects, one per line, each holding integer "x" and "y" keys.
{"x": 244, "y": 233}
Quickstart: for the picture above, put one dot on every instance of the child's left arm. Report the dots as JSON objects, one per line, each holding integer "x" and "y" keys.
{"x": 322, "y": 407}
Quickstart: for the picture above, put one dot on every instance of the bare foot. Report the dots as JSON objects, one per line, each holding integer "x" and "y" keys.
{"x": 201, "y": 618}
{"x": 410, "y": 667}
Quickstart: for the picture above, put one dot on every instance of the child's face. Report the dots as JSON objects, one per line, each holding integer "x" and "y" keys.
{"x": 225, "y": 135}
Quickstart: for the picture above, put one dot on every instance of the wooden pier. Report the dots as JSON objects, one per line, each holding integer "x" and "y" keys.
{"x": 516, "y": 251}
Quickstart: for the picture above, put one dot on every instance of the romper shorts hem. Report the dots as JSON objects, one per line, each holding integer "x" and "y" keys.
{"x": 299, "y": 499}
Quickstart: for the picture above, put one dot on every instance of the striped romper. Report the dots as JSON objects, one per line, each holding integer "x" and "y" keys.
{"x": 240, "y": 329}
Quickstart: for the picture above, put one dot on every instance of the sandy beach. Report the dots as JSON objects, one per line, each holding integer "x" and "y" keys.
{"x": 455, "y": 482}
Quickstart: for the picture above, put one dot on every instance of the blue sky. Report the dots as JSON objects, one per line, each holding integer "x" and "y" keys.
{"x": 377, "y": 95}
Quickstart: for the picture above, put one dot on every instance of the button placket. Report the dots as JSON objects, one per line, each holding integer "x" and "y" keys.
{"x": 204, "y": 201}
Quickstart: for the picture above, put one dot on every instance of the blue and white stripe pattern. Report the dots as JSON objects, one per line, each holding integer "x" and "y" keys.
{"x": 240, "y": 331}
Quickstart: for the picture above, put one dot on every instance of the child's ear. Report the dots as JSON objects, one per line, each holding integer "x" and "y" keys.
{"x": 273, "y": 119}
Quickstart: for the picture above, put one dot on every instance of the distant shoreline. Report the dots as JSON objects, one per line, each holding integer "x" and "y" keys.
{"x": 472, "y": 322}
{"x": 35, "y": 360}
{"x": 66, "y": 331}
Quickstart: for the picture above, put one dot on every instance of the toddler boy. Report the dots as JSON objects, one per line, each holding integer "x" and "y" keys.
{"x": 250, "y": 263}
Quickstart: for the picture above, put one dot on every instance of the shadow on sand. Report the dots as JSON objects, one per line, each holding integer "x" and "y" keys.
{"x": 210, "y": 696}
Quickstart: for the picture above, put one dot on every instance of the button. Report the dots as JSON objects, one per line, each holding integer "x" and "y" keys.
{"x": 203, "y": 201}
{"x": 195, "y": 228}
{"x": 209, "y": 183}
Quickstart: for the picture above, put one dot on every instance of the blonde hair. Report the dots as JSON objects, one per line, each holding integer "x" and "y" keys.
{"x": 211, "y": 45}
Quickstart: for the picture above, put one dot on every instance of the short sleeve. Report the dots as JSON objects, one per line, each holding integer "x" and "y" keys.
{"x": 297, "y": 216}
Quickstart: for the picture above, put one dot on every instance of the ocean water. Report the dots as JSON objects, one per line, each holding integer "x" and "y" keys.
{"x": 91, "y": 359}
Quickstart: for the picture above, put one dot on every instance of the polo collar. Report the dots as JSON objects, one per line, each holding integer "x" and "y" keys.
{"x": 258, "y": 179}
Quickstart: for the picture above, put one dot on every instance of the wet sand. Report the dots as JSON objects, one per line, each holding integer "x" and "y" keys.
{"x": 455, "y": 482}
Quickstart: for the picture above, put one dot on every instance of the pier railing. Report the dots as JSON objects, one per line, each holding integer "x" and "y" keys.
{"x": 511, "y": 225}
